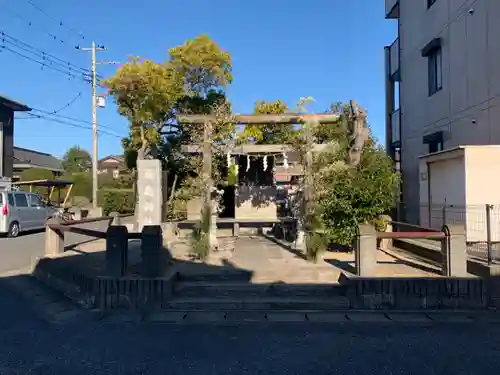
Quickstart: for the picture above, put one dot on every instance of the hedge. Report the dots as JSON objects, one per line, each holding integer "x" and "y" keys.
{"x": 115, "y": 200}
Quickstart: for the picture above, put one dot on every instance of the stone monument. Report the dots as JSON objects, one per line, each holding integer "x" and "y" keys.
{"x": 149, "y": 193}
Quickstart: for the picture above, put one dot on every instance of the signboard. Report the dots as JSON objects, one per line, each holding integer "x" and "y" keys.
{"x": 149, "y": 192}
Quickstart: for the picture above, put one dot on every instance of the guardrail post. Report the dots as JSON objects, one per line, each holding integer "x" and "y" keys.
{"x": 116, "y": 218}
{"x": 366, "y": 250}
{"x": 488, "y": 233}
{"x": 117, "y": 250}
{"x": 454, "y": 250}
{"x": 154, "y": 256}
{"x": 386, "y": 243}
{"x": 54, "y": 238}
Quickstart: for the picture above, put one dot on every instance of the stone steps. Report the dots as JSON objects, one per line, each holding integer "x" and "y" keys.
{"x": 258, "y": 304}
{"x": 239, "y": 290}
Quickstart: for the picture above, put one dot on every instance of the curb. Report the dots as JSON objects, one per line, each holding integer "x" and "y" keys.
{"x": 294, "y": 317}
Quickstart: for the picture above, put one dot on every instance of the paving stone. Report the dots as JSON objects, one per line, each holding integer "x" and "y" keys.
{"x": 367, "y": 317}
{"x": 327, "y": 317}
{"x": 205, "y": 316}
{"x": 451, "y": 317}
{"x": 286, "y": 317}
{"x": 246, "y": 316}
{"x": 167, "y": 316}
{"x": 409, "y": 317}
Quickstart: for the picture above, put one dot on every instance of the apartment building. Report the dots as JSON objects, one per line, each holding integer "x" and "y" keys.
{"x": 442, "y": 83}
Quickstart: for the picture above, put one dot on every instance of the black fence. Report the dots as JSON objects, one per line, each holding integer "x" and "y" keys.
{"x": 482, "y": 223}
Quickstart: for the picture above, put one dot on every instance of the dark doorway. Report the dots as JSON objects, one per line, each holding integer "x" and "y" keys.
{"x": 228, "y": 202}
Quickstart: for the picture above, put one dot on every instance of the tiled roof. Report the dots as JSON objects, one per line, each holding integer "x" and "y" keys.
{"x": 24, "y": 158}
{"x": 14, "y": 105}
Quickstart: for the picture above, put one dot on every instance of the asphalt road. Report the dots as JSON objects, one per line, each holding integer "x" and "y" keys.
{"x": 30, "y": 345}
{"x": 23, "y": 251}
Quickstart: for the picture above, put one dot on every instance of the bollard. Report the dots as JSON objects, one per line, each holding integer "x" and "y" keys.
{"x": 366, "y": 250}
{"x": 77, "y": 213}
{"x": 54, "y": 238}
{"x": 236, "y": 229}
{"x": 116, "y": 218}
{"x": 454, "y": 251}
{"x": 117, "y": 251}
{"x": 154, "y": 256}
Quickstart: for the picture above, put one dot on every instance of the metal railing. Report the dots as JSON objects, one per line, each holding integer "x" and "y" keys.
{"x": 481, "y": 222}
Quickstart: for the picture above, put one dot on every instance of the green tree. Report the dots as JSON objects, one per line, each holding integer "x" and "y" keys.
{"x": 76, "y": 159}
{"x": 150, "y": 94}
{"x": 269, "y": 133}
{"x": 346, "y": 195}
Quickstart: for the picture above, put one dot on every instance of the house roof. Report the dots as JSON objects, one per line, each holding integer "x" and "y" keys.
{"x": 24, "y": 159}
{"x": 112, "y": 157}
{"x": 12, "y": 104}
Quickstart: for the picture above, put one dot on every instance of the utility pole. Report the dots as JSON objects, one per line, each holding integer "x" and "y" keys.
{"x": 93, "y": 49}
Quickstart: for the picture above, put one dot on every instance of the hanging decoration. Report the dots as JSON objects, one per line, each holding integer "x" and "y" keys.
{"x": 265, "y": 163}
{"x": 285, "y": 160}
{"x": 248, "y": 163}
{"x": 229, "y": 160}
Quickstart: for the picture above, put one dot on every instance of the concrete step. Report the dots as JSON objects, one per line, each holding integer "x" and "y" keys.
{"x": 260, "y": 304}
{"x": 224, "y": 289}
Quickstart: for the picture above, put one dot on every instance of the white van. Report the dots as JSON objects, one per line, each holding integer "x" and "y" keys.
{"x": 20, "y": 211}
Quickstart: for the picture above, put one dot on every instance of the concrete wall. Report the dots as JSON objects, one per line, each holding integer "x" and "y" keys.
{"x": 467, "y": 108}
{"x": 6, "y": 141}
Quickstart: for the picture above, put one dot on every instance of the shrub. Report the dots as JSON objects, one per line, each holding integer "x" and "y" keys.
{"x": 200, "y": 237}
{"x": 116, "y": 201}
{"x": 358, "y": 195}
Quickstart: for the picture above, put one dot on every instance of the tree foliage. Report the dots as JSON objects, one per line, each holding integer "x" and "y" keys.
{"x": 268, "y": 133}
{"x": 76, "y": 159}
{"x": 150, "y": 94}
{"x": 347, "y": 195}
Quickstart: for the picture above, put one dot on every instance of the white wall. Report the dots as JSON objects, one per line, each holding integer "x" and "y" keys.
{"x": 467, "y": 109}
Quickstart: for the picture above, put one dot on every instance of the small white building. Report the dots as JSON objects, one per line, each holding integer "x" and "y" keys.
{"x": 455, "y": 187}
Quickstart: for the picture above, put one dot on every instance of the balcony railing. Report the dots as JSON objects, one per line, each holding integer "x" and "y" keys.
{"x": 391, "y": 8}
{"x": 395, "y": 128}
{"x": 394, "y": 62}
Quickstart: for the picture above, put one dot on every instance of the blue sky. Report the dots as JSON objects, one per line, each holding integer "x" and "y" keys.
{"x": 282, "y": 49}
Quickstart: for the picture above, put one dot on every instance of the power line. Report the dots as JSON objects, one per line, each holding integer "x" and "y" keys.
{"x": 20, "y": 44}
{"x": 61, "y": 23}
{"x": 43, "y": 58}
{"x": 79, "y": 95}
{"x": 48, "y": 113}
{"x": 32, "y": 116}
{"x": 31, "y": 24}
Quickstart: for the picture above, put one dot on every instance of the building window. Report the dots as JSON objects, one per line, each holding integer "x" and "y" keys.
{"x": 435, "y": 61}
{"x": 430, "y": 3}
{"x": 116, "y": 173}
{"x": 435, "y": 147}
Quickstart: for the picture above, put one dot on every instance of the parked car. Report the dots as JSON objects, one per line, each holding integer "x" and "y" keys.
{"x": 20, "y": 211}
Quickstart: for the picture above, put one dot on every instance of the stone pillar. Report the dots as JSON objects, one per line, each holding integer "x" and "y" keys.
{"x": 386, "y": 243}
{"x": 154, "y": 256}
{"x": 149, "y": 193}
{"x": 454, "y": 250}
{"x": 365, "y": 251}
{"x": 77, "y": 213}
{"x": 117, "y": 251}
{"x": 54, "y": 238}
